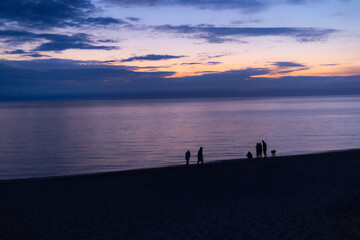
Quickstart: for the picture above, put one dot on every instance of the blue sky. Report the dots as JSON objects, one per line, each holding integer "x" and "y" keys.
{"x": 178, "y": 48}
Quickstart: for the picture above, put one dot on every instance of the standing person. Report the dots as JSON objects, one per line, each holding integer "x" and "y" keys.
{"x": 260, "y": 149}
{"x": 187, "y": 157}
{"x": 200, "y": 156}
{"x": 264, "y": 146}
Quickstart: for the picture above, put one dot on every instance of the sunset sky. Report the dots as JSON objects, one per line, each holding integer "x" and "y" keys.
{"x": 178, "y": 48}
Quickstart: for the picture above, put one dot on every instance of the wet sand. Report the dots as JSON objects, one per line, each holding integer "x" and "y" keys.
{"x": 314, "y": 196}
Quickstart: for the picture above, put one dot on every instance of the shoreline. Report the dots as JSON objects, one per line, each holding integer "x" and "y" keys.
{"x": 212, "y": 162}
{"x": 312, "y": 196}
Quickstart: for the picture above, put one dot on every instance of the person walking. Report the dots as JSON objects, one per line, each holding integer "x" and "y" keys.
{"x": 187, "y": 157}
{"x": 200, "y": 156}
{"x": 264, "y": 147}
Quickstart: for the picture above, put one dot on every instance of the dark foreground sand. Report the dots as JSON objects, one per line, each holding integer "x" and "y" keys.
{"x": 299, "y": 197}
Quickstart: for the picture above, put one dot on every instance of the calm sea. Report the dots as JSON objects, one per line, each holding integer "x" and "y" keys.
{"x": 61, "y": 138}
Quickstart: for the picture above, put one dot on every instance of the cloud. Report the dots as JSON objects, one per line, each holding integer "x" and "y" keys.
{"x": 36, "y": 55}
{"x": 45, "y": 14}
{"x": 23, "y": 52}
{"x": 17, "y": 51}
{"x": 249, "y": 6}
{"x": 151, "y": 57}
{"x": 133, "y": 19}
{"x": 196, "y": 63}
{"x": 287, "y": 64}
{"x": 240, "y": 83}
{"x": 61, "y": 78}
{"x": 97, "y": 21}
{"x": 330, "y": 64}
{"x": 59, "y": 45}
{"x": 246, "y": 6}
{"x": 206, "y": 56}
{"x": 15, "y": 37}
{"x": 107, "y": 41}
{"x": 246, "y": 21}
{"x": 55, "y": 42}
{"x": 290, "y": 71}
{"x": 287, "y": 67}
{"x": 214, "y": 63}
{"x": 190, "y": 63}
{"x": 214, "y": 34}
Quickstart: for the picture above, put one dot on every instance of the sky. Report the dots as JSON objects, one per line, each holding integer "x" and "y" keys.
{"x": 178, "y": 48}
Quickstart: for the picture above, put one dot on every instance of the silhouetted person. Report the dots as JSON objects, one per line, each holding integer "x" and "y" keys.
{"x": 200, "y": 156}
{"x": 249, "y": 155}
{"x": 273, "y": 152}
{"x": 258, "y": 150}
{"x": 187, "y": 157}
{"x": 264, "y": 147}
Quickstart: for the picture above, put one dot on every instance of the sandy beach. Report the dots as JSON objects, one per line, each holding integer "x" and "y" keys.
{"x": 315, "y": 196}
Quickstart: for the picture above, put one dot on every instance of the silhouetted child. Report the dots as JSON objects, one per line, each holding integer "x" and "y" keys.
{"x": 200, "y": 156}
{"x": 264, "y": 147}
{"x": 249, "y": 155}
{"x": 187, "y": 157}
{"x": 273, "y": 152}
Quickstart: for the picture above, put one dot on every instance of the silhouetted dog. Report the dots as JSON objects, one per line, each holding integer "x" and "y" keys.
{"x": 273, "y": 153}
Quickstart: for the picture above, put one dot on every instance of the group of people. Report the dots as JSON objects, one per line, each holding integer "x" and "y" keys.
{"x": 200, "y": 157}
{"x": 261, "y": 148}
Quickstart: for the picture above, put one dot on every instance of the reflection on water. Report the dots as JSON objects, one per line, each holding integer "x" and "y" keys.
{"x": 60, "y": 138}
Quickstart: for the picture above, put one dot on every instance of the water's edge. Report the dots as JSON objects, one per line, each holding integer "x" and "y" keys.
{"x": 163, "y": 168}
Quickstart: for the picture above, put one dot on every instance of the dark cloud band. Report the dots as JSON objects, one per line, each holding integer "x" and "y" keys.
{"x": 52, "y": 13}
{"x": 151, "y": 57}
{"x": 83, "y": 79}
{"x": 253, "y": 5}
{"x": 44, "y": 14}
{"x": 247, "y": 6}
{"x": 214, "y": 34}
{"x": 287, "y": 64}
{"x": 56, "y": 42}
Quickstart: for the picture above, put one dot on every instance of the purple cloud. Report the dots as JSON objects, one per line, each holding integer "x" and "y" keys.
{"x": 151, "y": 57}
{"x": 214, "y": 34}
{"x": 287, "y": 64}
{"x": 56, "y": 42}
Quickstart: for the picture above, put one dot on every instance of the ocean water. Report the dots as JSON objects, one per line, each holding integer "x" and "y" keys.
{"x": 40, "y": 139}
